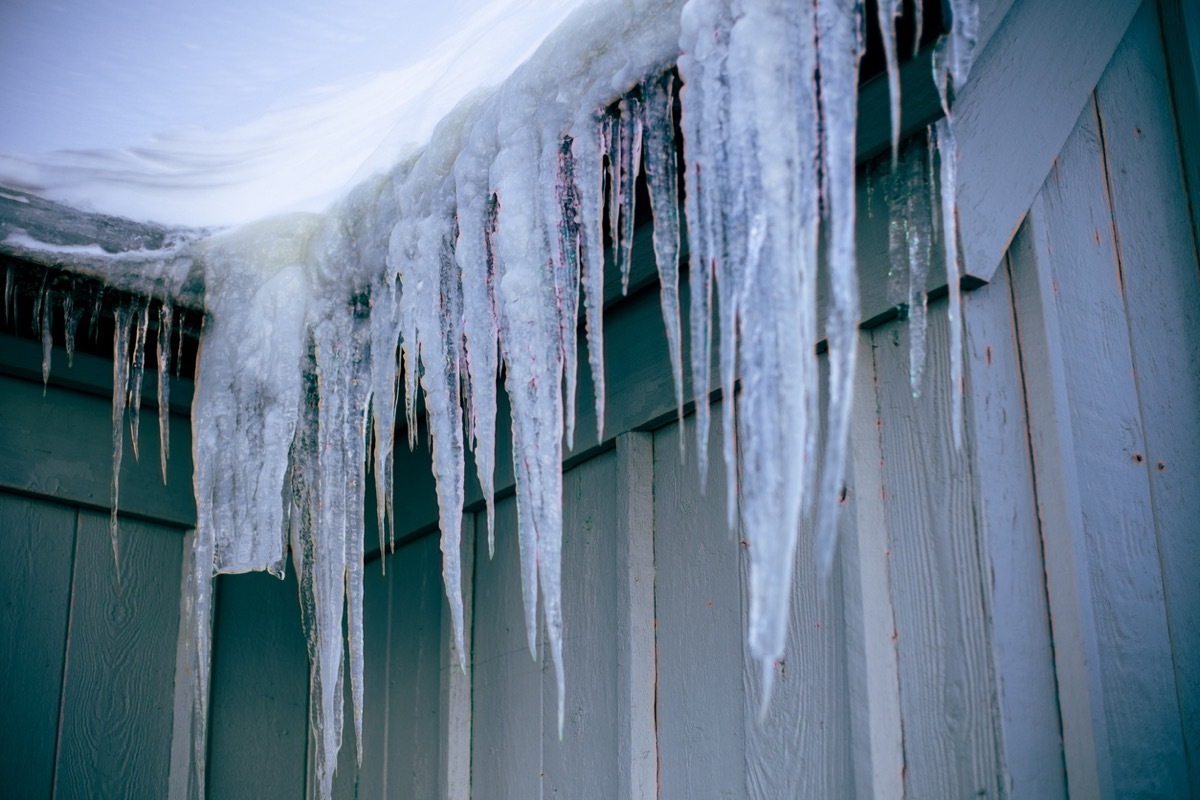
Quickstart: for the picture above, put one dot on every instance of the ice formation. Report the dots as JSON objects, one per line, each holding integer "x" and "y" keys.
{"x": 466, "y": 261}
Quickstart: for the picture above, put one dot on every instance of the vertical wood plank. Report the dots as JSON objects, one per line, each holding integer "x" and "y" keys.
{"x": 506, "y": 744}
{"x": 413, "y": 680}
{"x": 258, "y": 712}
{"x": 37, "y": 548}
{"x": 873, "y": 672}
{"x": 183, "y": 783}
{"x": 1052, "y": 51}
{"x": 637, "y": 740}
{"x": 118, "y": 687}
{"x": 583, "y": 764}
{"x": 345, "y": 772}
{"x": 455, "y": 706}
{"x": 377, "y": 635}
{"x": 1010, "y": 534}
{"x": 1117, "y": 685}
{"x": 941, "y": 606}
{"x": 1161, "y": 282}
{"x": 700, "y": 611}
{"x": 801, "y": 746}
{"x": 59, "y": 445}
{"x": 1052, "y": 441}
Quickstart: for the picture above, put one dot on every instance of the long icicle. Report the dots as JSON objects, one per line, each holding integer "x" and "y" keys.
{"x": 166, "y": 325}
{"x": 142, "y": 321}
{"x": 951, "y": 64}
{"x": 662, "y": 179}
{"x": 123, "y": 318}
{"x": 840, "y": 32}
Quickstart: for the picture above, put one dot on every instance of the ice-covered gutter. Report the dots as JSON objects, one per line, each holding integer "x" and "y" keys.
{"x": 470, "y": 258}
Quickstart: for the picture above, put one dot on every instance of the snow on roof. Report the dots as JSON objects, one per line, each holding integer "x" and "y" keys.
{"x": 234, "y": 111}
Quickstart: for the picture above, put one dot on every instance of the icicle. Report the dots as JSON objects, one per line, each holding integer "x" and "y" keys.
{"x": 920, "y": 238}
{"x": 918, "y": 12}
{"x": 71, "y": 316}
{"x": 662, "y": 179}
{"x": 899, "y": 277}
{"x": 248, "y": 386}
{"x": 403, "y": 246}
{"x": 481, "y": 326}
{"x": 385, "y": 339}
{"x": 10, "y": 317}
{"x": 199, "y": 648}
{"x": 166, "y": 320}
{"x": 142, "y": 318}
{"x": 589, "y": 148}
{"x": 123, "y": 318}
{"x": 179, "y": 353}
{"x": 948, "y": 153}
{"x": 561, "y": 207}
{"x": 47, "y": 334}
{"x": 839, "y": 52}
{"x": 889, "y": 11}
{"x": 533, "y": 371}
{"x": 97, "y": 310}
{"x": 951, "y": 62}
{"x": 704, "y": 26}
{"x": 630, "y": 132}
{"x": 422, "y": 250}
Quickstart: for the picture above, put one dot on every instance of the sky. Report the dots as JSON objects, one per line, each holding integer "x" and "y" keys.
{"x": 222, "y": 112}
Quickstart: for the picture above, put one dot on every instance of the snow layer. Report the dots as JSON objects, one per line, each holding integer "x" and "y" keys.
{"x": 465, "y": 260}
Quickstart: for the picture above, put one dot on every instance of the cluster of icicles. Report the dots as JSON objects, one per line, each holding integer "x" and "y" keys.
{"x": 468, "y": 262}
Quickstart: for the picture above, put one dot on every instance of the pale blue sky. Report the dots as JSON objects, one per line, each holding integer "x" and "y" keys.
{"x": 220, "y": 112}
{"x": 110, "y": 73}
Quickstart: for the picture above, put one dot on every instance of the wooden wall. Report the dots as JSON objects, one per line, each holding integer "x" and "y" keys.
{"x": 1013, "y": 619}
{"x": 87, "y": 695}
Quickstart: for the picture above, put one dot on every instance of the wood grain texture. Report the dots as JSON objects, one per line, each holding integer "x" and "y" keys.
{"x": 802, "y": 746}
{"x": 1161, "y": 283}
{"x": 584, "y": 763}
{"x": 378, "y": 611}
{"x": 59, "y": 446}
{"x": 258, "y": 711}
{"x": 413, "y": 682}
{"x": 942, "y": 607}
{"x": 1026, "y": 90}
{"x": 37, "y": 549}
{"x": 507, "y": 695}
{"x": 872, "y": 666}
{"x": 637, "y": 667}
{"x": 701, "y": 704}
{"x": 115, "y": 738}
{"x": 1011, "y": 546}
{"x": 454, "y": 708}
{"x": 1052, "y": 442}
{"x": 1117, "y": 684}
{"x": 184, "y": 782}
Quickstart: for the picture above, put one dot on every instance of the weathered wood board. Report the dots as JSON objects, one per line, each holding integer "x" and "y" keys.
{"x": 116, "y": 718}
{"x": 1090, "y": 426}
{"x": 699, "y": 612}
{"x": 1160, "y": 284}
{"x": 37, "y": 559}
{"x": 507, "y": 695}
{"x": 1010, "y": 542}
{"x": 58, "y": 444}
{"x": 1026, "y": 89}
{"x": 258, "y": 706}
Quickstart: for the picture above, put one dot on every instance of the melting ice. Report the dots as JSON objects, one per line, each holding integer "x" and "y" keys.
{"x": 471, "y": 259}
